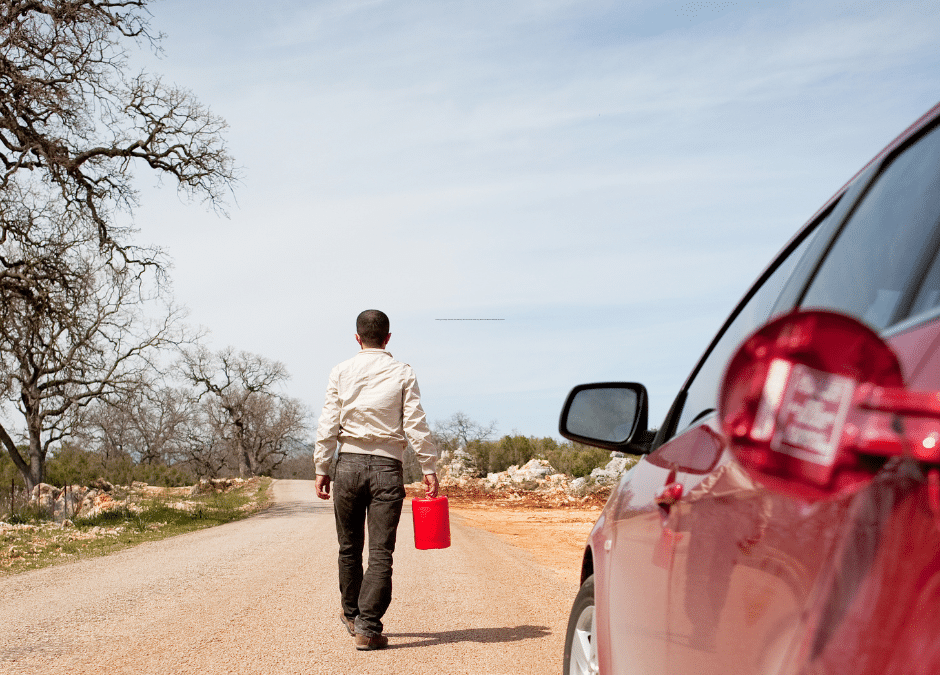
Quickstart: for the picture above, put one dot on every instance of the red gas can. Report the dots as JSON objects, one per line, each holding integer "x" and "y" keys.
{"x": 432, "y": 522}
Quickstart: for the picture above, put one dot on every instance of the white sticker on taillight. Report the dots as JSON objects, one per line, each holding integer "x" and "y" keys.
{"x": 811, "y": 414}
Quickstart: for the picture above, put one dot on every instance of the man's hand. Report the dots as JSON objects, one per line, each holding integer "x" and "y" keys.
{"x": 323, "y": 486}
{"x": 430, "y": 485}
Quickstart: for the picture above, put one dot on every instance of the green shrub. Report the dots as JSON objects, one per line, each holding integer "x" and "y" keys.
{"x": 8, "y": 472}
{"x": 573, "y": 459}
{"x": 578, "y": 460}
{"x": 73, "y": 466}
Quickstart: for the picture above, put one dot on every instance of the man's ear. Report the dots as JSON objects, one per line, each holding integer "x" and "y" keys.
{"x": 359, "y": 340}
{"x": 387, "y": 338}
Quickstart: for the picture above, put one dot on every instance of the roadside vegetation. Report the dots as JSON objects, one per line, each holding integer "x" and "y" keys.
{"x": 30, "y": 540}
{"x": 492, "y": 455}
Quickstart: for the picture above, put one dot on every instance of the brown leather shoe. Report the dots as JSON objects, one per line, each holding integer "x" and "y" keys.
{"x": 349, "y": 623}
{"x": 364, "y": 643}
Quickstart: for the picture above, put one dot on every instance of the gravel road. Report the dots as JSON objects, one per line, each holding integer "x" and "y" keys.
{"x": 261, "y": 596}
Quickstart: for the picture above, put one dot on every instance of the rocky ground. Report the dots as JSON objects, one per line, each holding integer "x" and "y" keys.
{"x": 76, "y": 502}
{"x": 530, "y": 486}
{"x": 554, "y": 537}
{"x": 549, "y": 515}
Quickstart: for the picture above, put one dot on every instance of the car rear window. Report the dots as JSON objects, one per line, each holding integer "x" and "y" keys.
{"x": 887, "y": 248}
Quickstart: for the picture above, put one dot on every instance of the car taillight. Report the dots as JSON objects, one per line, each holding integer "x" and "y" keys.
{"x": 809, "y": 399}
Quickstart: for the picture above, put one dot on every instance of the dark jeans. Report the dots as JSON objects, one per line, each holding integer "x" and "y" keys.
{"x": 367, "y": 487}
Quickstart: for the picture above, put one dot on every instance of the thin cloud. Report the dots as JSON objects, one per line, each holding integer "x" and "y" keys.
{"x": 519, "y": 160}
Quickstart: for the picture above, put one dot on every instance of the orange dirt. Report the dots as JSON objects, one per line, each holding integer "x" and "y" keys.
{"x": 552, "y": 529}
{"x": 556, "y": 538}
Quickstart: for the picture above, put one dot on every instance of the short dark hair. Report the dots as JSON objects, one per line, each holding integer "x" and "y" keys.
{"x": 372, "y": 327}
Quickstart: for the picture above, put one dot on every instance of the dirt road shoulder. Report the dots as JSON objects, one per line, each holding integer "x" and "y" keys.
{"x": 554, "y": 537}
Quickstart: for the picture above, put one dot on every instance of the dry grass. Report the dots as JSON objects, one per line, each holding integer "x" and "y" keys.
{"x": 156, "y": 514}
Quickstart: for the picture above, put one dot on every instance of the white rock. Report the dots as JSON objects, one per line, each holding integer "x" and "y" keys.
{"x": 617, "y": 465}
{"x": 458, "y": 465}
{"x": 612, "y": 472}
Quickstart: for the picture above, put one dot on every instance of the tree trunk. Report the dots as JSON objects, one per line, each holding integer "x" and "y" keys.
{"x": 37, "y": 470}
{"x": 244, "y": 461}
{"x": 25, "y": 468}
{"x": 37, "y": 457}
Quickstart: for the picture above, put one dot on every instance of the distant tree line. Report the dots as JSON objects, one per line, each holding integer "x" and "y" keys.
{"x": 209, "y": 414}
{"x": 493, "y": 455}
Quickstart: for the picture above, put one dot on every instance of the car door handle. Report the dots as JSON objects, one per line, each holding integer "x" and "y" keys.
{"x": 669, "y": 495}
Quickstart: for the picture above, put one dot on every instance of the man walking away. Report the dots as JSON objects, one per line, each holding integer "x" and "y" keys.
{"x": 372, "y": 411}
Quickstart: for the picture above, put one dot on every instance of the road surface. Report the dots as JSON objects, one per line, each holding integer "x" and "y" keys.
{"x": 260, "y": 596}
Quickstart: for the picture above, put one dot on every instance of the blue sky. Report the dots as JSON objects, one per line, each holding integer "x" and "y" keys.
{"x": 606, "y": 178}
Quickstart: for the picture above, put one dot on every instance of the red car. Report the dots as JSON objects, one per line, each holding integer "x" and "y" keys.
{"x": 785, "y": 517}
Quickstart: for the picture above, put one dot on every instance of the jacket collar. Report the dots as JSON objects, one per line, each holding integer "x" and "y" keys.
{"x": 372, "y": 350}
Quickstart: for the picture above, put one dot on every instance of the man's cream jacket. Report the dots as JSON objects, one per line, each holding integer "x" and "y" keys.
{"x": 373, "y": 407}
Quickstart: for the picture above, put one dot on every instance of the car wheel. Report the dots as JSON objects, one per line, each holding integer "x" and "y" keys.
{"x": 581, "y": 639}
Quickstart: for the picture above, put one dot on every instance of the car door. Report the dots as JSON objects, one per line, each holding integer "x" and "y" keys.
{"x": 632, "y": 582}
{"x": 749, "y": 560}
{"x": 722, "y": 516}
{"x": 644, "y": 533}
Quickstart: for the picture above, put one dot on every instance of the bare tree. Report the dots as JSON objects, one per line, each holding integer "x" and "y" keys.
{"x": 70, "y": 333}
{"x": 103, "y": 429}
{"x": 459, "y": 432}
{"x": 204, "y": 445}
{"x": 459, "y": 437}
{"x": 148, "y": 423}
{"x": 275, "y": 427}
{"x": 157, "y": 421}
{"x": 75, "y": 119}
{"x": 75, "y": 123}
{"x": 239, "y": 390}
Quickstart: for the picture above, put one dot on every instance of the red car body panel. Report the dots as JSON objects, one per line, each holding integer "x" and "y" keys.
{"x": 734, "y": 578}
{"x": 888, "y": 593}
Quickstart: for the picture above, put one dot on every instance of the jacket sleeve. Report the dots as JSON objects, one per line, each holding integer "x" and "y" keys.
{"x": 416, "y": 426}
{"x": 328, "y": 427}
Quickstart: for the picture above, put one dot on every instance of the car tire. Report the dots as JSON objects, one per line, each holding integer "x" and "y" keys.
{"x": 581, "y": 638}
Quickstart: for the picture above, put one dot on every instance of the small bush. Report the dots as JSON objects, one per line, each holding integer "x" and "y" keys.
{"x": 573, "y": 459}
{"x": 73, "y": 466}
{"x": 578, "y": 460}
{"x": 107, "y": 518}
{"x": 26, "y": 515}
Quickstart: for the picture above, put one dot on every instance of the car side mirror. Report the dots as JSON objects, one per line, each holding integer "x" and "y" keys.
{"x": 813, "y": 403}
{"x": 611, "y": 415}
